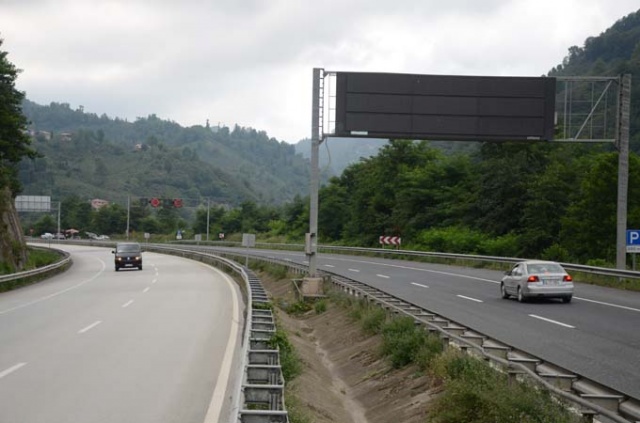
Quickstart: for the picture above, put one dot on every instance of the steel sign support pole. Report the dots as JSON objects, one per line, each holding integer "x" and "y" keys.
{"x": 623, "y": 169}
{"x": 312, "y": 249}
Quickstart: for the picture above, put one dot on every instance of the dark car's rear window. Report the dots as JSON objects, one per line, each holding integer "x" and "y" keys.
{"x": 127, "y": 248}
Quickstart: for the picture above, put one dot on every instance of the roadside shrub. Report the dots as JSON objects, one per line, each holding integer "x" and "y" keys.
{"x": 401, "y": 340}
{"x": 474, "y": 392}
{"x": 299, "y": 307}
{"x": 373, "y": 319}
{"x": 431, "y": 347}
{"x": 555, "y": 253}
{"x": 289, "y": 360}
{"x": 320, "y": 306}
{"x": 503, "y": 246}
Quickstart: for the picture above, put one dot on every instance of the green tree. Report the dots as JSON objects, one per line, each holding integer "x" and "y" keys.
{"x": 14, "y": 146}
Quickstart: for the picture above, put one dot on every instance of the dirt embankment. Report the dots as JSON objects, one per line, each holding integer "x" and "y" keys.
{"x": 345, "y": 379}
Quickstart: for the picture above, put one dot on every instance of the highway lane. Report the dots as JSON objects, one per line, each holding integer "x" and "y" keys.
{"x": 95, "y": 345}
{"x": 597, "y": 335}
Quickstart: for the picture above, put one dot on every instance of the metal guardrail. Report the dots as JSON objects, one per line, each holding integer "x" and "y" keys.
{"x": 595, "y": 270}
{"x": 43, "y": 271}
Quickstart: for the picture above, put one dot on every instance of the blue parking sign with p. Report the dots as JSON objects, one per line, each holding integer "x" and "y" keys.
{"x": 633, "y": 236}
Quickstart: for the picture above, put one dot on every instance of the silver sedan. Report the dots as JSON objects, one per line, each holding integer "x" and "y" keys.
{"x": 537, "y": 279}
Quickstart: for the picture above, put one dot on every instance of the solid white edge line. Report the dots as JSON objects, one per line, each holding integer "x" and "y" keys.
{"x": 470, "y": 299}
{"x": 419, "y": 284}
{"x": 552, "y": 321}
{"x": 607, "y": 304}
{"x": 91, "y": 326}
{"x": 215, "y": 406}
{"x": 127, "y": 304}
{"x": 11, "y": 370}
{"x": 104, "y": 266}
{"x": 383, "y": 276}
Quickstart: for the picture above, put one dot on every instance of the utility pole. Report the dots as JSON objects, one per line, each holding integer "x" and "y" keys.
{"x": 208, "y": 210}
{"x": 128, "y": 214}
{"x": 59, "y": 207}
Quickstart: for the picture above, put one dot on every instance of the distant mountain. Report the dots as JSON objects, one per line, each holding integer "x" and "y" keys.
{"x": 338, "y": 153}
{"x": 99, "y": 157}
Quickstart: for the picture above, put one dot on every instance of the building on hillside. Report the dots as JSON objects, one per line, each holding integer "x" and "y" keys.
{"x": 97, "y": 203}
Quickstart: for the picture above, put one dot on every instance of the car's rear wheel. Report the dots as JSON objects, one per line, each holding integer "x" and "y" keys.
{"x": 117, "y": 268}
{"x": 521, "y": 297}
{"x": 566, "y": 300}
{"x": 503, "y": 291}
{"x": 140, "y": 267}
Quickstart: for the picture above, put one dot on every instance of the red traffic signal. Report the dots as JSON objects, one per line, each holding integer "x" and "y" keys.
{"x": 155, "y": 202}
{"x": 177, "y": 203}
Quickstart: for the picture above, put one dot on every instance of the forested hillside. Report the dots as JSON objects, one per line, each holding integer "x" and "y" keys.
{"x": 98, "y": 157}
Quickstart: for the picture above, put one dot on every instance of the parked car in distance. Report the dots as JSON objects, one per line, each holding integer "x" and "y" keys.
{"x": 101, "y": 237}
{"x": 46, "y": 235}
{"x": 127, "y": 254}
{"x": 537, "y": 279}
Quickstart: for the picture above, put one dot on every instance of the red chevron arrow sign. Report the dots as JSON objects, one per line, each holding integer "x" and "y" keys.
{"x": 390, "y": 240}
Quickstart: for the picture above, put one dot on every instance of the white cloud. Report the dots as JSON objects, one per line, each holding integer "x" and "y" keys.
{"x": 250, "y": 62}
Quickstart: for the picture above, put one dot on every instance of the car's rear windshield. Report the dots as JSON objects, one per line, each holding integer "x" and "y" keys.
{"x": 128, "y": 248}
{"x": 545, "y": 268}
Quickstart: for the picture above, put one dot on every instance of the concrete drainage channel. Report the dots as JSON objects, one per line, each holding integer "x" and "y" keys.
{"x": 593, "y": 401}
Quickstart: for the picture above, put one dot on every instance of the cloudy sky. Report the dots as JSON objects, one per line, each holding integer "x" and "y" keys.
{"x": 249, "y": 62}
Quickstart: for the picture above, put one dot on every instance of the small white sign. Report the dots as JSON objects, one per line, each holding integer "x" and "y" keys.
{"x": 248, "y": 240}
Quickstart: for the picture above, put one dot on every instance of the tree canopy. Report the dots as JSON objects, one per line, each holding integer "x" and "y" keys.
{"x": 14, "y": 142}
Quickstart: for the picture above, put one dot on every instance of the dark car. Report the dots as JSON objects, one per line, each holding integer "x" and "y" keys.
{"x": 128, "y": 254}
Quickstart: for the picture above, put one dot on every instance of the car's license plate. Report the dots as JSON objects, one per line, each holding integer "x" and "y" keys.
{"x": 551, "y": 281}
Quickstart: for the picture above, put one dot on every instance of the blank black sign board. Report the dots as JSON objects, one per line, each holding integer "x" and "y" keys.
{"x": 444, "y": 107}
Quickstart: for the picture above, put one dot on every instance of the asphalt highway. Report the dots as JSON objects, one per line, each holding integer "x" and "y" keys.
{"x": 95, "y": 345}
{"x": 597, "y": 335}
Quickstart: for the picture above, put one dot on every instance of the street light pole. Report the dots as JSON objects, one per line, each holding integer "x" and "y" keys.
{"x": 208, "y": 210}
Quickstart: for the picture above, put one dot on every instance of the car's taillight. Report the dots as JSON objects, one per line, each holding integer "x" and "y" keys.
{"x": 533, "y": 278}
{"x": 567, "y": 278}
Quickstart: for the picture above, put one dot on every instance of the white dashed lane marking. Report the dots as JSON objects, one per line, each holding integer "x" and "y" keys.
{"x": 11, "y": 370}
{"x": 419, "y": 284}
{"x": 383, "y": 276}
{"x": 555, "y": 322}
{"x": 470, "y": 299}
{"x": 91, "y": 326}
